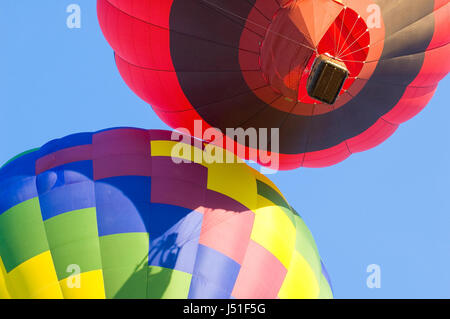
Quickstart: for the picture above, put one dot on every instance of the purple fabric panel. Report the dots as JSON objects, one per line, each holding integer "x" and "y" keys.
{"x": 177, "y": 193}
{"x": 215, "y": 200}
{"x": 189, "y": 172}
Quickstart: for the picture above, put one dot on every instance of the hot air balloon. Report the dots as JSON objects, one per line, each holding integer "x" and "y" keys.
{"x": 128, "y": 213}
{"x": 335, "y": 77}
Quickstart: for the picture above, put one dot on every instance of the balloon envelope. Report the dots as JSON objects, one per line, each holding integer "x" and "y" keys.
{"x": 246, "y": 64}
{"x": 112, "y": 214}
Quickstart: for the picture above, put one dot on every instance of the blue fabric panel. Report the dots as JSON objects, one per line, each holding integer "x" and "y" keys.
{"x": 123, "y": 204}
{"x": 18, "y": 181}
{"x": 22, "y": 166}
{"x": 14, "y": 191}
{"x": 214, "y": 274}
{"x": 163, "y": 216}
{"x": 66, "y": 142}
{"x": 201, "y": 288}
{"x": 177, "y": 247}
{"x": 66, "y": 188}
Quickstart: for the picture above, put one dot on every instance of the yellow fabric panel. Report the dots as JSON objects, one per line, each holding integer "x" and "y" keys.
{"x": 35, "y": 278}
{"x": 91, "y": 286}
{"x": 307, "y": 247}
{"x": 300, "y": 281}
{"x": 214, "y": 154}
{"x": 4, "y": 294}
{"x": 211, "y": 156}
{"x": 165, "y": 148}
{"x": 273, "y": 230}
{"x": 233, "y": 180}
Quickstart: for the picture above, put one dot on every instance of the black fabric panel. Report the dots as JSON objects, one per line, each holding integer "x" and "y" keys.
{"x": 402, "y": 13}
{"x": 196, "y": 54}
{"x": 232, "y": 113}
{"x": 411, "y": 38}
{"x": 216, "y": 20}
{"x": 211, "y": 93}
{"x": 399, "y": 71}
{"x": 298, "y": 134}
{"x": 214, "y": 87}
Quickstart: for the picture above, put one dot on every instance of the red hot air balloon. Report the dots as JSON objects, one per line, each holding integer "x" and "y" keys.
{"x": 335, "y": 77}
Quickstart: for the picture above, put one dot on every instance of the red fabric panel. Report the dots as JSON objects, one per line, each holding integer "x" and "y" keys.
{"x": 291, "y": 161}
{"x": 439, "y": 3}
{"x": 435, "y": 67}
{"x": 441, "y": 26}
{"x": 154, "y": 11}
{"x": 372, "y": 137}
{"x": 326, "y": 157}
{"x": 177, "y": 193}
{"x": 137, "y": 41}
{"x": 261, "y": 275}
{"x": 121, "y": 141}
{"x": 267, "y": 7}
{"x": 250, "y": 41}
{"x": 65, "y": 156}
{"x": 160, "y": 89}
{"x": 412, "y": 102}
{"x": 165, "y": 167}
{"x": 259, "y": 23}
{"x": 122, "y": 165}
{"x": 227, "y": 232}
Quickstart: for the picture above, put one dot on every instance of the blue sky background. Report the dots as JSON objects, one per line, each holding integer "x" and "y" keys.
{"x": 387, "y": 206}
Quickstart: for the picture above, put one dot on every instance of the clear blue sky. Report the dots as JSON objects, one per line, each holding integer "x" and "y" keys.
{"x": 388, "y": 206}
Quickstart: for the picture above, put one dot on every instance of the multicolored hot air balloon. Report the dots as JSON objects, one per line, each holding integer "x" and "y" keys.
{"x": 250, "y": 64}
{"x": 128, "y": 213}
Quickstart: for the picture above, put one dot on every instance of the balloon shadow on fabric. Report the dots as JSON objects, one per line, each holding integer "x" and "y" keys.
{"x": 163, "y": 252}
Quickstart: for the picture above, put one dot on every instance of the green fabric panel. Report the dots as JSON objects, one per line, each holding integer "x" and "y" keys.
{"x": 306, "y": 246}
{"x": 325, "y": 289}
{"x": 295, "y": 212}
{"x": 22, "y": 233}
{"x": 272, "y": 195}
{"x": 164, "y": 283}
{"x": 73, "y": 239}
{"x": 125, "y": 265}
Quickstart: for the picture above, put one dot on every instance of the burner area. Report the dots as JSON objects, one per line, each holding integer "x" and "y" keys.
{"x": 326, "y": 79}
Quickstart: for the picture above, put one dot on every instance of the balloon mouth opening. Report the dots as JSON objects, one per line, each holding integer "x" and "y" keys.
{"x": 326, "y": 79}
{"x": 314, "y": 60}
